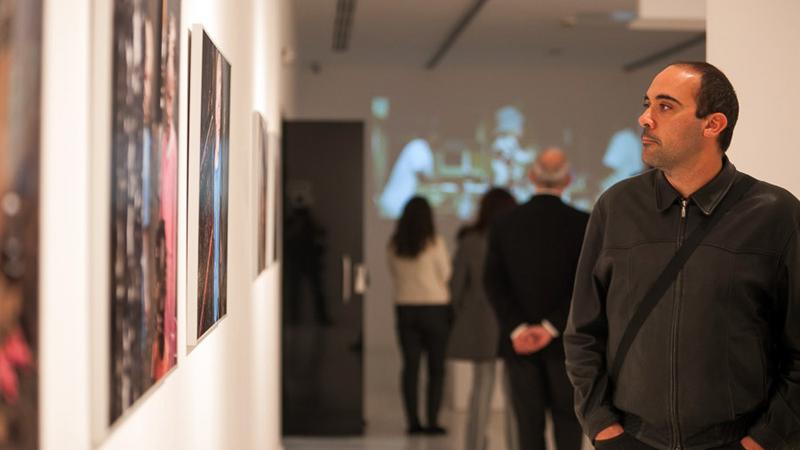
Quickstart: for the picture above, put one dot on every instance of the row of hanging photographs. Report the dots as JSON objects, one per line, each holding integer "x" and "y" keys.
{"x": 144, "y": 202}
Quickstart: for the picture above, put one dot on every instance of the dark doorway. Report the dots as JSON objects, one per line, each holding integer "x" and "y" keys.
{"x": 322, "y": 278}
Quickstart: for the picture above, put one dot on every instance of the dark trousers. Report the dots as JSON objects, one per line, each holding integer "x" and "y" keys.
{"x": 423, "y": 329}
{"x": 538, "y": 384}
{"x": 627, "y": 442}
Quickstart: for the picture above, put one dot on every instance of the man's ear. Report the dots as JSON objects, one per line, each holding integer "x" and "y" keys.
{"x": 532, "y": 176}
{"x": 567, "y": 180}
{"x": 715, "y": 124}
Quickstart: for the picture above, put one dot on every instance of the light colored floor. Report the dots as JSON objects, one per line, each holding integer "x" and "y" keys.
{"x": 397, "y": 440}
{"x": 385, "y": 423}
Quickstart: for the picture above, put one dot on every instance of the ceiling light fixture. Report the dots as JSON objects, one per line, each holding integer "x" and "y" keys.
{"x": 343, "y": 24}
{"x": 448, "y": 42}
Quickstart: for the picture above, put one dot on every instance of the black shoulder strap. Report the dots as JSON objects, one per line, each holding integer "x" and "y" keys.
{"x": 670, "y": 272}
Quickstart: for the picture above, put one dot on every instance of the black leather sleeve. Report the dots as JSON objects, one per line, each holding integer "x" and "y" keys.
{"x": 779, "y": 426}
{"x": 586, "y": 335}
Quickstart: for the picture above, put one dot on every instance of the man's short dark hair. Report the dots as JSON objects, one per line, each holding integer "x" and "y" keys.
{"x": 716, "y": 95}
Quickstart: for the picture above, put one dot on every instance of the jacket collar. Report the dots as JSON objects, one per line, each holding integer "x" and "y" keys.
{"x": 706, "y": 198}
{"x": 545, "y": 198}
{"x": 545, "y": 195}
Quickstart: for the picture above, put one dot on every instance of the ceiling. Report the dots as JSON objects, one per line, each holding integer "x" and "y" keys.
{"x": 503, "y": 32}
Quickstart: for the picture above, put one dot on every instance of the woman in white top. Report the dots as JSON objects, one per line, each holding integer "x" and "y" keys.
{"x": 420, "y": 268}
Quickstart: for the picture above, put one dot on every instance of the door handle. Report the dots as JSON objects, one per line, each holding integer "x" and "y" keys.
{"x": 361, "y": 282}
{"x": 347, "y": 274}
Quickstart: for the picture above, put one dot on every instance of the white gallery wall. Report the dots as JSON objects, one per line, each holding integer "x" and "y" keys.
{"x": 758, "y": 48}
{"x": 224, "y": 393}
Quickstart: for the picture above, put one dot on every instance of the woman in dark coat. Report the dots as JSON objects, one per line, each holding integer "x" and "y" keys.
{"x": 475, "y": 335}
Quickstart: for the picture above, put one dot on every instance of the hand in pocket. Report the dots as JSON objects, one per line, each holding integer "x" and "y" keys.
{"x": 618, "y": 442}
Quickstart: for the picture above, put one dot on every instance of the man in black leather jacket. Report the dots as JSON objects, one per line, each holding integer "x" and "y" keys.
{"x": 717, "y": 362}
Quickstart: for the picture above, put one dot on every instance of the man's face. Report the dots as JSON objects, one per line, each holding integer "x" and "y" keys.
{"x": 672, "y": 133}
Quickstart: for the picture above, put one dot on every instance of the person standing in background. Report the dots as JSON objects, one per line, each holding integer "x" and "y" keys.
{"x": 420, "y": 269}
{"x": 530, "y": 267}
{"x": 475, "y": 336}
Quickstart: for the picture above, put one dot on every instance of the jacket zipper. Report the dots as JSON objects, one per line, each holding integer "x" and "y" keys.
{"x": 676, "y": 429}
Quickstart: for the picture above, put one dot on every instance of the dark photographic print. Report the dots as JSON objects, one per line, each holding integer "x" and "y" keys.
{"x": 144, "y": 197}
{"x": 20, "y": 80}
{"x": 213, "y": 194}
{"x": 261, "y": 149}
{"x": 277, "y": 204}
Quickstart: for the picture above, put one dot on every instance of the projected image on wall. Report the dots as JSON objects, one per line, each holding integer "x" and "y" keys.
{"x": 453, "y": 165}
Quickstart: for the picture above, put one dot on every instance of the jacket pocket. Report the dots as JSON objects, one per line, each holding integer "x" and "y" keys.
{"x": 622, "y": 442}
{"x": 747, "y": 369}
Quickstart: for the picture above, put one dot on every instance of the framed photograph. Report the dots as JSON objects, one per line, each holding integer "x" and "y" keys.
{"x": 277, "y": 198}
{"x": 20, "y": 95}
{"x": 143, "y": 235}
{"x": 261, "y": 189}
{"x": 209, "y": 138}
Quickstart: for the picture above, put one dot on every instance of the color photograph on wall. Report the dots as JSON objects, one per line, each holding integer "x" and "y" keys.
{"x": 20, "y": 94}
{"x": 261, "y": 182}
{"x": 210, "y": 138}
{"x": 144, "y": 197}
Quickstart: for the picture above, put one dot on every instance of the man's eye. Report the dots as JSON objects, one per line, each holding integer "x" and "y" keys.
{"x": 645, "y": 105}
{"x": 664, "y": 107}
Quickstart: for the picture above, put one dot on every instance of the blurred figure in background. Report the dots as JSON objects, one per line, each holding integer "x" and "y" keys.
{"x": 306, "y": 248}
{"x": 420, "y": 269}
{"x": 475, "y": 336}
{"x": 530, "y": 268}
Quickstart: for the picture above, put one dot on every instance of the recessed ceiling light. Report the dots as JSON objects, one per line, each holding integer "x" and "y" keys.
{"x": 569, "y": 21}
{"x": 622, "y": 16}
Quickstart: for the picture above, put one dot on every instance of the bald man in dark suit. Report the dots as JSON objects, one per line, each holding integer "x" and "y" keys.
{"x": 530, "y": 268}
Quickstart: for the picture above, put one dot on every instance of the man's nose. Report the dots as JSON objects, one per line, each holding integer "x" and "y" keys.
{"x": 645, "y": 120}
